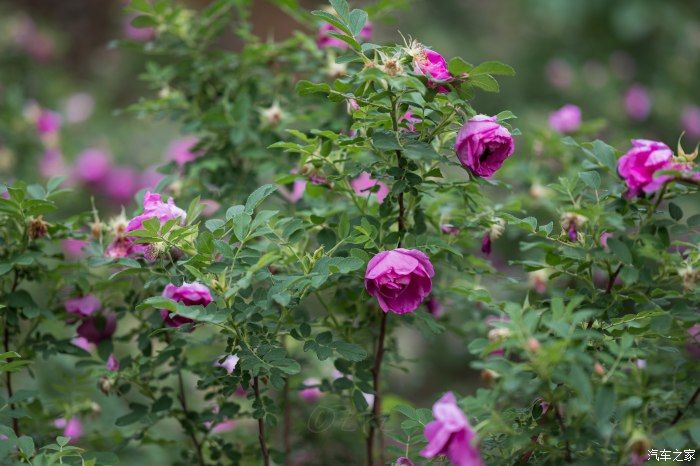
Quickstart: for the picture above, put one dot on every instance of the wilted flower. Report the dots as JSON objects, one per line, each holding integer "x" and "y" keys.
{"x": 83, "y": 306}
{"x": 566, "y": 120}
{"x": 637, "y": 102}
{"x": 273, "y": 115}
{"x": 400, "y": 279}
{"x": 571, "y": 222}
{"x": 391, "y": 65}
{"x": 37, "y": 228}
{"x": 689, "y": 275}
{"x": 483, "y": 145}
{"x": 311, "y": 393}
{"x": 451, "y": 434}
{"x": 363, "y": 184}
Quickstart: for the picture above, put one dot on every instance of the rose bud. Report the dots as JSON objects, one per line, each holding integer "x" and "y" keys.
{"x": 483, "y": 145}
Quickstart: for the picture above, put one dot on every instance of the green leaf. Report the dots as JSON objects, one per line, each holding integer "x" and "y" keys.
{"x": 350, "y": 351}
{"x": 138, "y": 412}
{"x": 458, "y": 67}
{"x": 26, "y": 446}
{"x": 591, "y": 179}
{"x": 675, "y": 211}
{"x": 385, "y": 140}
{"x": 307, "y": 88}
{"x": 341, "y": 7}
{"x": 694, "y": 221}
{"x": 259, "y": 195}
{"x": 484, "y": 82}
{"x": 358, "y": 398}
{"x": 357, "y": 21}
{"x": 620, "y": 250}
{"x": 332, "y": 19}
{"x": 492, "y": 67}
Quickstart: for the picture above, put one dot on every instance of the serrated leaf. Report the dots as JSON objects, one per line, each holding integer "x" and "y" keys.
{"x": 491, "y": 68}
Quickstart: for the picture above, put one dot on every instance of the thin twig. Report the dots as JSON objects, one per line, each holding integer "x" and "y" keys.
{"x": 188, "y": 428}
{"x": 261, "y": 426}
{"x": 560, "y": 420}
{"x": 691, "y": 402}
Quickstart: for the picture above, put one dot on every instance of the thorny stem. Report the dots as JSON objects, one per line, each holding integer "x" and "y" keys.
{"x": 261, "y": 426}
{"x": 691, "y": 402}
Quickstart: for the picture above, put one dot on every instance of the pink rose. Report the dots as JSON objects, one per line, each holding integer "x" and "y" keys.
{"x": 483, "y": 145}
{"x": 229, "y": 363}
{"x": 435, "y": 307}
{"x": 400, "y": 279}
{"x": 84, "y": 306}
{"x": 693, "y": 344}
{"x": 410, "y": 121}
{"x": 604, "y": 239}
{"x": 134, "y": 33}
{"x": 121, "y": 184}
{"x": 565, "y": 120}
{"x": 73, "y": 248}
{"x": 449, "y": 229}
{"x": 210, "y": 207}
{"x": 112, "y": 363}
{"x": 154, "y": 207}
{"x": 92, "y": 165}
{"x": 52, "y": 164}
{"x": 325, "y": 40}
{"x": 690, "y": 120}
{"x": 181, "y": 150}
{"x": 431, "y": 64}
{"x": 363, "y": 184}
{"x": 48, "y": 122}
{"x": 639, "y": 165}
{"x": 311, "y": 394}
{"x": 637, "y": 102}
{"x": 450, "y": 434}
{"x": 559, "y": 73}
{"x": 72, "y": 428}
{"x": 189, "y": 294}
{"x": 150, "y": 178}
{"x": 83, "y": 344}
{"x": 98, "y": 327}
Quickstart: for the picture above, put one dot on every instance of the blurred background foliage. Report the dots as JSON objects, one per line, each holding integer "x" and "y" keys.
{"x": 589, "y": 53}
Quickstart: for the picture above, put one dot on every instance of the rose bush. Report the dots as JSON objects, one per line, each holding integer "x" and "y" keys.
{"x": 358, "y": 204}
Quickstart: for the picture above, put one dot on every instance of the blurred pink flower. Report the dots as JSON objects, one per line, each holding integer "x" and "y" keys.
{"x": 604, "y": 239}
{"x": 48, "y": 122}
{"x": 154, "y": 207}
{"x": 210, "y": 207}
{"x": 325, "y": 40}
{"x": 450, "y": 434}
{"x": 400, "y": 279}
{"x": 150, "y": 179}
{"x": 693, "y": 344}
{"x": 403, "y": 461}
{"x": 181, "y": 150}
{"x": 566, "y": 120}
{"x": 98, "y": 327}
{"x": 559, "y": 73}
{"x": 92, "y": 166}
{"x": 83, "y": 306}
{"x": 138, "y": 34}
{"x": 52, "y": 164}
{"x": 410, "y": 121}
{"x": 449, "y": 229}
{"x": 637, "y": 102}
{"x": 73, "y": 248}
{"x": 120, "y": 184}
{"x": 36, "y": 44}
{"x": 78, "y": 107}
{"x": 83, "y": 344}
{"x": 72, "y": 428}
{"x": 690, "y": 120}
{"x": 435, "y": 307}
{"x": 112, "y": 363}
{"x": 224, "y": 426}
{"x": 311, "y": 394}
{"x": 363, "y": 184}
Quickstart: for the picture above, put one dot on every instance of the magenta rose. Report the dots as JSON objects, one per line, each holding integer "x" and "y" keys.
{"x": 189, "y": 294}
{"x": 311, "y": 393}
{"x": 181, "y": 150}
{"x": 690, "y": 119}
{"x": 400, "y": 279}
{"x": 92, "y": 165}
{"x": 566, "y": 120}
{"x": 450, "y": 434}
{"x": 98, "y": 327}
{"x": 637, "y": 102}
{"x": 363, "y": 185}
{"x": 48, "y": 122}
{"x": 154, "y": 207}
{"x": 72, "y": 428}
{"x": 83, "y": 306}
{"x": 483, "y": 145}
{"x": 639, "y": 165}
{"x": 431, "y": 64}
